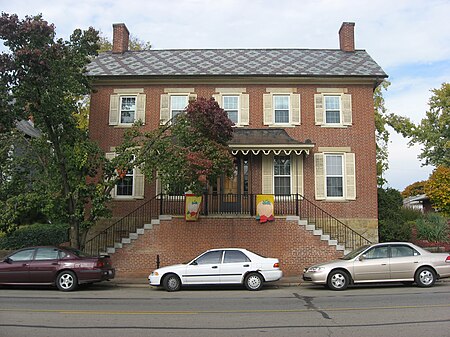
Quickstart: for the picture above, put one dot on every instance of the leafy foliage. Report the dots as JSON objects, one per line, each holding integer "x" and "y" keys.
{"x": 44, "y": 78}
{"x": 135, "y": 44}
{"x": 414, "y": 189}
{"x": 382, "y": 133}
{"x": 433, "y": 227}
{"x": 433, "y": 132}
{"x": 394, "y": 221}
{"x": 35, "y": 235}
{"x": 188, "y": 151}
{"x": 437, "y": 189}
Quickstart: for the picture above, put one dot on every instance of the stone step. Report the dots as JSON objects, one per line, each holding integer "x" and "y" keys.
{"x": 118, "y": 245}
{"x": 317, "y": 232}
{"x": 134, "y": 236}
{"x": 126, "y": 240}
{"x": 140, "y": 231}
{"x": 110, "y": 250}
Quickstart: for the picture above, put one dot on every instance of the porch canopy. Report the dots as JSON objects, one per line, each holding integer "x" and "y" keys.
{"x": 267, "y": 141}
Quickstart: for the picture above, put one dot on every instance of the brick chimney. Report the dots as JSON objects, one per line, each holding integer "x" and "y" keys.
{"x": 121, "y": 37}
{"x": 347, "y": 36}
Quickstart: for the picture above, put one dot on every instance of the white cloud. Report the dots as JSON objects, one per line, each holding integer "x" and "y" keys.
{"x": 406, "y": 37}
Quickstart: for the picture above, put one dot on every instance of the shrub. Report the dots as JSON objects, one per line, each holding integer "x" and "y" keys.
{"x": 394, "y": 222}
{"x": 433, "y": 227}
{"x": 35, "y": 235}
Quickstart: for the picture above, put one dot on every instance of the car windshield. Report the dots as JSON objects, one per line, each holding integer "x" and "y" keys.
{"x": 354, "y": 253}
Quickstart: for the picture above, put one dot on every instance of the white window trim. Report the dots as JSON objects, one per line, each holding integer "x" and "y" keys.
{"x": 325, "y": 124}
{"x": 290, "y": 177}
{"x": 243, "y": 103}
{"x": 238, "y": 123}
{"x": 344, "y": 179}
{"x": 120, "y": 123}
{"x": 170, "y": 102}
{"x": 133, "y": 189}
{"x": 275, "y": 123}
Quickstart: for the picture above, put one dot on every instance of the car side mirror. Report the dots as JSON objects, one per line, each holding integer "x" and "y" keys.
{"x": 7, "y": 260}
{"x": 362, "y": 257}
{"x": 194, "y": 263}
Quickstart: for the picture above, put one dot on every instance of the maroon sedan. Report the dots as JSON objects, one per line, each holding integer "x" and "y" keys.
{"x": 66, "y": 267}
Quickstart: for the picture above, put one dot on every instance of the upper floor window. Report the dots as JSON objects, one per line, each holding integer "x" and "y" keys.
{"x": 173, "y": 102}
{"x": 334, "y": 175}
{"x": 235, "y": 102}
{"x": 178, "y": 104}
{"x": 281, "y": 109}
{"x": 127, "y": 109}
{"x": 127, "y": 106}
{"x": 282, "y": 175}
{"x": 333, "y": 109}
{"x": 231, "y": 107}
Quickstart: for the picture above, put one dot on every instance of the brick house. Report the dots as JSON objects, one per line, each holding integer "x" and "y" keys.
{"x": 304, "y": 131}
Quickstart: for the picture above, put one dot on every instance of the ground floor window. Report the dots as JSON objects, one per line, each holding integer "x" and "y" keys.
{"x": 282, "y": 175}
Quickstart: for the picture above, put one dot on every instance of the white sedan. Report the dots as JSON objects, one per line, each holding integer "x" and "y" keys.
{"x": 219, "y": 266}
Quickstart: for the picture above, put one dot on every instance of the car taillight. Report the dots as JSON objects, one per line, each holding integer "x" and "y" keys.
{"x": 276, "y": 265}
{"x": 99, "y": 264}
{"x": 447, "y": 259}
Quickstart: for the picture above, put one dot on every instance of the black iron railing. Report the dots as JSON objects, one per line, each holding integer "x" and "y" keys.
{"x": 226, "y": 204}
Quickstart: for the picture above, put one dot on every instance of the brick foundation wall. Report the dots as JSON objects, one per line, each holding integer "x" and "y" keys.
{"x": 178, "y": 241}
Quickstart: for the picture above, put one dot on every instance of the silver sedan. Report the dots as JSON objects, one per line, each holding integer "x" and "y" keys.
{"x": 382, "y": 262}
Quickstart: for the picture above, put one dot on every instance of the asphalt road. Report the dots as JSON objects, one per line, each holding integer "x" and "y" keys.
{"x": 306, "y": 310}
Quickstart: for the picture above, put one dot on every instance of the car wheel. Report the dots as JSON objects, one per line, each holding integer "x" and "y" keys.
{"x": 172, "y": 282}
{"x": 425, "y": 277}
{"x": 338, "y": 280}
{"x": 253, "y": 281}
{"x": 66, "y": 281}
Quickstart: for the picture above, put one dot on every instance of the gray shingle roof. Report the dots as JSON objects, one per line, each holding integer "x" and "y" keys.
{"x": 236, "y": 62}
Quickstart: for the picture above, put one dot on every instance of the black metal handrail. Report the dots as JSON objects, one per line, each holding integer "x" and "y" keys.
{"x": 122, "y": 228}
{"x": 226, "y": 204}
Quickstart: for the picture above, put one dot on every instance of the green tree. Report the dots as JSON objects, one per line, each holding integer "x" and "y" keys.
{"x": 433, "y": 132}
{"x": 382, "y": 133}
{"x": 61, "y": 173}
{"x": 437, "y": 189}
{"x": 54, "y": 172}
{"x": 135, "y": 44}
{"x": 394, "y": 221}
{"x": 188, "y": 151}
{"x": 414, "y": 189}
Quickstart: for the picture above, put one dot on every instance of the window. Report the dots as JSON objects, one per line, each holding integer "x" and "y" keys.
{"x": 281, "y": 106}
{"x": 131, "y": 182}
{"x": 127, "y": 109}
{"x": 231, "y": 107}
{"x": 281, "y": 109}
{"x": 23, "y": 255}
{"x": 402, "y": 251}
{"x": 210, "y": 258}
{"x": 125, "y": 185}
{"x": 126, "y": 106}
{"x": 177, "y": 105}
{"x": 334, "y": 175}
{"x": 282, "y": 175}
{"x": 235, "y": 256}
{"x": 46, "y": 254}
{"x": 377, "y": 253}
{"x": 332, "y": 109}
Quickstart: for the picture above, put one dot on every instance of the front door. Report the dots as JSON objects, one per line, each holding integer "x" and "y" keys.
{"x": 233, "y": 188}
{"x": 374, "y": 266}
{"x": 204, "y": 270}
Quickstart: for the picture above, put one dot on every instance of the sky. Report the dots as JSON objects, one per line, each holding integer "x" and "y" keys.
{"x": 409, "y": 39}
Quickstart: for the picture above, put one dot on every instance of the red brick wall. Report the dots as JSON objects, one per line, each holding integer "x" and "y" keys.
{"x": 360, "y": 137}
{"x": 177, "y": 241}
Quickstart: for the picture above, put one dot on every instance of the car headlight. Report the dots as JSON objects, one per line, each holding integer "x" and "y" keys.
{"x": 316, "y": 269}
{"x": 154, "y": 273}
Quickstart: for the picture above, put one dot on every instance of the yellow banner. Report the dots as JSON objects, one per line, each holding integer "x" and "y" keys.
{"x": 265, "y": 207}
{"x": 192, "y": 210}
